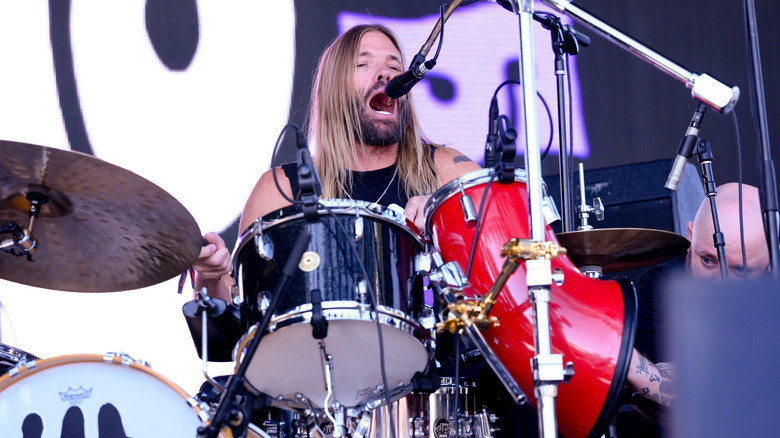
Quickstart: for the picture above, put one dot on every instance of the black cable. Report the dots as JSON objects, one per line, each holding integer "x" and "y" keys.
{"x": 546, "y": 107}
{"x": 550, "y": 122}
{"x": 571, "y": 121}
{"x": 359, "y": 259}
{"x": 493, "y": 175}
{"x": 457, "y": 388}
{"x": 360, "y": 263}
{"x": 739, "y": 181}
{"x": 273, "y": 159}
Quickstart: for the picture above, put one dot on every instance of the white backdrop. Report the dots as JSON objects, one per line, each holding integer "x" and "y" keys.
{"x": 204, "y": 135}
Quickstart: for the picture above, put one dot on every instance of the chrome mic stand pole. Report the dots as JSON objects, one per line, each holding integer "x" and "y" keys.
{"x": 547, "y": 367}
{"x": 767, "y": 186}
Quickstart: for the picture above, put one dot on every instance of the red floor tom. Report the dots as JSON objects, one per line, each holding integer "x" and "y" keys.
{"x": 592, "y": 322}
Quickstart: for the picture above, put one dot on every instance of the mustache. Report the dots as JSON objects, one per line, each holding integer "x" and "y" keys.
{"x": 370, "y": 91}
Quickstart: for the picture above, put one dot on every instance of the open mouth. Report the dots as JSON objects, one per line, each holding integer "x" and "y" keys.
{"x": 382, "y": 104}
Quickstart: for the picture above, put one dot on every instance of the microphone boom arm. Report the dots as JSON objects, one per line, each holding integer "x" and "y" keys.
{"x": 703, "y": 87}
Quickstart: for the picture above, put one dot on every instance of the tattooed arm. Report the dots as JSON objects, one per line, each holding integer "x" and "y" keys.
{"x": 651, "y": 381}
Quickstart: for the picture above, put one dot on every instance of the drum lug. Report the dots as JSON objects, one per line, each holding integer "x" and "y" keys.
{"x": 361, "y": 292}
{"x": 264, "y": 245}
{"x": 447, "y": 275}
{"x": 423, "y": 262}
{"x": 359, "y": 228}
{"x": 262, "y": 301}
{"x": 558, "y": 276}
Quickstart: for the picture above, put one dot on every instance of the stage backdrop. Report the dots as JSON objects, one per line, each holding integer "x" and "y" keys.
{"x": 192, "y": 95}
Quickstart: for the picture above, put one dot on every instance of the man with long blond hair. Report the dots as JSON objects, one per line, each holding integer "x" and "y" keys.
{"x": 366, "y": 146}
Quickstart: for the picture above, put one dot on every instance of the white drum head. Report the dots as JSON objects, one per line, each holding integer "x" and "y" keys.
{"x": 82, "y": 395}
{"x": 288, "y": 362}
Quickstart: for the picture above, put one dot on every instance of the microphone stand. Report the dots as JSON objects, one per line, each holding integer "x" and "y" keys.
{"x": 564, "y": 41}
{"x": 767, "y": 187}
{"x": 547, "y": 368}
{"x": 704, "y": 152}
{"x": 229, "y": 412}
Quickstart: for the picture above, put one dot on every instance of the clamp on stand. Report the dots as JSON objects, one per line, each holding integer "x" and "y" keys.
{"x": 21, "y": 239}
{"x": 704, "y": 152}
{"x": 584, "y": 210}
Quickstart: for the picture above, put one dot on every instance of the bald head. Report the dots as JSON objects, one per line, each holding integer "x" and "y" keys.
{"x": 702, "y": 256}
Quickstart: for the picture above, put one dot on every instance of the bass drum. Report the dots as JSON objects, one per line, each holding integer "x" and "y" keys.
{"x": 91, "y": 395}
{"x": 592, "y": 322}
{"x": 356, "y": 248}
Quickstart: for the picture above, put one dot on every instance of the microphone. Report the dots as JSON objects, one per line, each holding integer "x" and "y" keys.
{"x": 582, "y": 39}
{"x": 685, "y": 150}
{"x": 308, "y": 181}
{"x": 403, "y": 83}
{"x": 492, "y": 154}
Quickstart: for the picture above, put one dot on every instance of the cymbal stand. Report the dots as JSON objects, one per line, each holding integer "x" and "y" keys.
{"x": 547, "y": 368}
{"x": 229, "y": 412}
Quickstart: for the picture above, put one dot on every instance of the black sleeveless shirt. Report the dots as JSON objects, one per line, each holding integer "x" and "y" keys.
{"x": 366, "y": 186}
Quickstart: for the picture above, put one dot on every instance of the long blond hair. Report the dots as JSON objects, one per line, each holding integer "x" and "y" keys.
{"x": 333, "y": 122}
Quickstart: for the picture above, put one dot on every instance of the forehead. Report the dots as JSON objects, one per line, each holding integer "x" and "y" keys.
{"x": 377, "y": 44}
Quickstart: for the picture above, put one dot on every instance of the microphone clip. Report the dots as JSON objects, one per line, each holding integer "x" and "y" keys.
{"x": 308, "y": 181}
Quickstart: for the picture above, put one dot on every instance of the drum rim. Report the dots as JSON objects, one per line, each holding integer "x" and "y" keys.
{"x": 619, "y": 376}
{"x": 30, "y": 368}
{"x": 467, "y": 180}
{"x": 407, "y": 325}
{"x": 338, "y": 207}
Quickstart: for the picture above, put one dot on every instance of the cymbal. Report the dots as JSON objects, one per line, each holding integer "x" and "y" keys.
{"x": 621, "y": 249}
{"x": 103, "y": 229}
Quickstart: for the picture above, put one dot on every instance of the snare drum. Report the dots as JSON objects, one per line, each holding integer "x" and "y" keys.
{"x": 91, "y": 395}
{"x": 289, "y": 364}
{"x": 592, "y": 322}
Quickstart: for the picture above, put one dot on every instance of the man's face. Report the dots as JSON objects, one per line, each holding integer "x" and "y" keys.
{"x": 381, "y": 118}
{"x": 702, "y": 261}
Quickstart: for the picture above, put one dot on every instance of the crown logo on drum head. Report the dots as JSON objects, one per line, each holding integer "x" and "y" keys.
{"x": 75, "y": 395}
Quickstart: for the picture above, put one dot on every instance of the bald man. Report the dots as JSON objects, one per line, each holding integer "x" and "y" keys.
{"x": 649, "y": 372}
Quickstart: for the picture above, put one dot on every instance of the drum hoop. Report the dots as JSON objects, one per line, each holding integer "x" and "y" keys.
{"x": 33, "y": 367}
{"x": 346, "y": 207}
{"x": 468, "y": 180}
{"x": 347, "y": 308}
{"x": 350, "y": 308}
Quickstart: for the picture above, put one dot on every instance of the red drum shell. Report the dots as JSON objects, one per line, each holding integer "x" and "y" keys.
{"x": 592, "y": 322}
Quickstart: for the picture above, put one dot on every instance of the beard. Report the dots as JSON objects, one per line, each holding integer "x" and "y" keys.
{"x": 375, "y": 132}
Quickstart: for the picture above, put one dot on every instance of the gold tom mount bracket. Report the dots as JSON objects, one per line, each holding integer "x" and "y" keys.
{"x": 463, "y": 311}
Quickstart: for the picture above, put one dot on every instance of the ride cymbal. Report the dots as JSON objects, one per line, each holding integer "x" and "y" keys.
{"x": 621, "y": 249}
{"x": 102, "y": 229}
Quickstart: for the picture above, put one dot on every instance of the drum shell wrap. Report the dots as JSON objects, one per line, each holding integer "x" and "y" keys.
{"x": 386, "y": 252}
{"x": 592, "y": 322}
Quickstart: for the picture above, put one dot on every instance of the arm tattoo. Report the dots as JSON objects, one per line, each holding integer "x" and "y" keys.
{"x": 460, "y": 159}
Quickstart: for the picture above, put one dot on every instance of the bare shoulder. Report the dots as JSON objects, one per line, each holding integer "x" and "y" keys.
{"x": 451, "y": 163}
{"x": 265, "y": 197}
